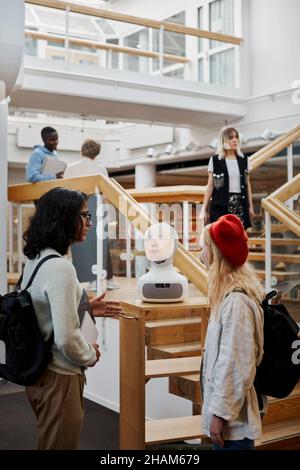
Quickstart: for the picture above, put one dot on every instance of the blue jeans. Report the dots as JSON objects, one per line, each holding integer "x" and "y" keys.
{"x": 243, "y": 444}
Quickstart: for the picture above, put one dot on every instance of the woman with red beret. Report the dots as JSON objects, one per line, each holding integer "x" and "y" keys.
{"x": 234, "y": 340}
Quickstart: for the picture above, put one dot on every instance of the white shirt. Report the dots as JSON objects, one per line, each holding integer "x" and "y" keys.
{"x": 85, "y": 167}
{"x": 233, "y": 173}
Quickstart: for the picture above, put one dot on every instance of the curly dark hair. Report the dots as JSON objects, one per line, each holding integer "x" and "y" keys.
{"x": 56, "y": 223}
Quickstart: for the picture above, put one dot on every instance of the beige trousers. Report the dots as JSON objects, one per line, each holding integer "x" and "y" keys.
{"x": 57, "y": 402}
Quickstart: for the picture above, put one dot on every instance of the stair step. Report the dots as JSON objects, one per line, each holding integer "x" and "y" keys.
{"x": 188, "y": 387}
{"x": 173, "y": 429}
{"x": 280, "y": 275}
{"x": 170, "y": 312}
{"x": 284, "y": 258}
{"x": 175, "y": 350}
{"x": 167, "y": 367}
{"x": 170, "y": 331}
{"x": 281, "y": 435}
{"x": 274, "y": 241}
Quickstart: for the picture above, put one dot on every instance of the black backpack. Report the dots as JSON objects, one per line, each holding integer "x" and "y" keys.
{"x": 279, "y": 370}
{"x": 26, "y": 352}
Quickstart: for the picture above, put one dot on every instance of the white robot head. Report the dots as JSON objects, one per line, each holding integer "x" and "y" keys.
{"x": 162, "y": 283}
{"x": 160, "y": 241}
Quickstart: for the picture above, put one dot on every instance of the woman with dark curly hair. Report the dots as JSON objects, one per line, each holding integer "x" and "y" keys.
{"x": 62, "y": 217}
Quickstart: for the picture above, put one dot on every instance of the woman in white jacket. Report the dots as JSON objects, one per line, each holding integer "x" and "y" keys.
{"x": 234, "y": 341}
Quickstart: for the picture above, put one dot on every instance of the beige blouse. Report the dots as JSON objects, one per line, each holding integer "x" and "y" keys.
{"x": 233, "y": 350}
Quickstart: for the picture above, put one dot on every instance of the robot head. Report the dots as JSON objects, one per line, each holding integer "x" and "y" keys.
{"x": 161, "y": 241}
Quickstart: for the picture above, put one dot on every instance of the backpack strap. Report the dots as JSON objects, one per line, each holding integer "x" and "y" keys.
{"x": 42, "y": 261}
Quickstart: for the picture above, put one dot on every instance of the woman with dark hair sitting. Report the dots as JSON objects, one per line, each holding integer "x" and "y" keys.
{"x": 62, "y": 217}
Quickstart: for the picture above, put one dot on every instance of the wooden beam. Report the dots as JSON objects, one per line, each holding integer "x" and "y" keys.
{"x": 268, "y": 205}
{"x": 169, "y": 194}
{"x": 288, "y": 190}
{"x": 167, "y": 367}
{"x": 273, "y": 148}
{"x": 112, "y": 15}
{"x": 274, "y": 241}
{"x": 105, "y": 46}
{"x": 28, "y": 192}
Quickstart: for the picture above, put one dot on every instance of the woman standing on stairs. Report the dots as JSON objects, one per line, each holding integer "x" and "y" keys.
{"x": 234, "y": 340}
{"x": 228, "y": 188}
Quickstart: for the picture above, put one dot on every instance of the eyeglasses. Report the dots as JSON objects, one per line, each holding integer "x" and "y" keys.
{"x": 87, "y": 216}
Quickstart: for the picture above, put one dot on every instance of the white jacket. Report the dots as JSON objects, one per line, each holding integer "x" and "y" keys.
{"x": 233, "y": 349}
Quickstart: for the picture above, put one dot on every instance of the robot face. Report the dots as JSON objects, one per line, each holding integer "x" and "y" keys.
{"x": 160, "y": 242}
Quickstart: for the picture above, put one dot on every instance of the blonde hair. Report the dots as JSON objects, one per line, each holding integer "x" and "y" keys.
{"x": 223, "y": 277}
{"x": 90, "y": 149}
{"x": 223, "y": 142}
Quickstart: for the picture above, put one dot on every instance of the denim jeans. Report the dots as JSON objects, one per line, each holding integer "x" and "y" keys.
{"x": 243, "y": 444}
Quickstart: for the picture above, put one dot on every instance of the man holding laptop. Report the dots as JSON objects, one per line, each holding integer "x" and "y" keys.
{"x": 43, "y": 163}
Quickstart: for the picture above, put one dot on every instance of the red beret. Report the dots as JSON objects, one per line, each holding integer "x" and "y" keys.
{"x": 229, "y": 235}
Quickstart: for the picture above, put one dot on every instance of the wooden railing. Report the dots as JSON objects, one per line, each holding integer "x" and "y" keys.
{"x": 125, "y": 203}
{"x": 274, "y": 147}
{"x": 112, "y": 15}
{"x": 274, "y": 204}
{"x": 105, "y": 46}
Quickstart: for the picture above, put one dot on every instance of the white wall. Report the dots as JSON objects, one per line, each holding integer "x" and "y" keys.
{"x": 103, "y": 380}
{"x": 275, "y": 40}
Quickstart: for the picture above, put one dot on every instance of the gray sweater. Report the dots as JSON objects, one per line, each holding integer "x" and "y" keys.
{"x": 56, "y": 295}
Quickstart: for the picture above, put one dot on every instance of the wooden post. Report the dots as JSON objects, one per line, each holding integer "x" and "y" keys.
{"x": 132, "y": 382}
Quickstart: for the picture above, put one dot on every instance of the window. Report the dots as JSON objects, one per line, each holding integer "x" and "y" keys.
{"x": 200, "y": 70}
{"x": 31, "y": 46}
{"x": 216, "y": 59}
{"x": 221, "y": 18}
{"x": 222, "y": 68}
{"x": 114, "y": 64}
{"x": 200, "y": 26}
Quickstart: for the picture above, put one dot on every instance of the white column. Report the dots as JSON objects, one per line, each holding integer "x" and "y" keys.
{"x": 3, "y": 195}
{"x": 145, "y": 177}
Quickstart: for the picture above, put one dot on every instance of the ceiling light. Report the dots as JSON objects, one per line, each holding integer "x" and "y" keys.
{"x": 169, "y": 149}
{"x": 214, "y": 143}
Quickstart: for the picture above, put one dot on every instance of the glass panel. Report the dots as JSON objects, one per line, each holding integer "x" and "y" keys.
{"x": 29, "y": 18}
{"x": 174, "y": 43}
{"x": 114, "y": 55}
{"x": 176, "y": 73}
{"x": 30, "y": 46}
{"x": 221, "y": 18}
{"x": 105, "y": 25}
{"x": 137, "y": 40}
{"x": 222, "y": 68}
{"x": 200, "y": 70}
{"x": 56, "y": 18}
{"x": 200, "y": 26}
